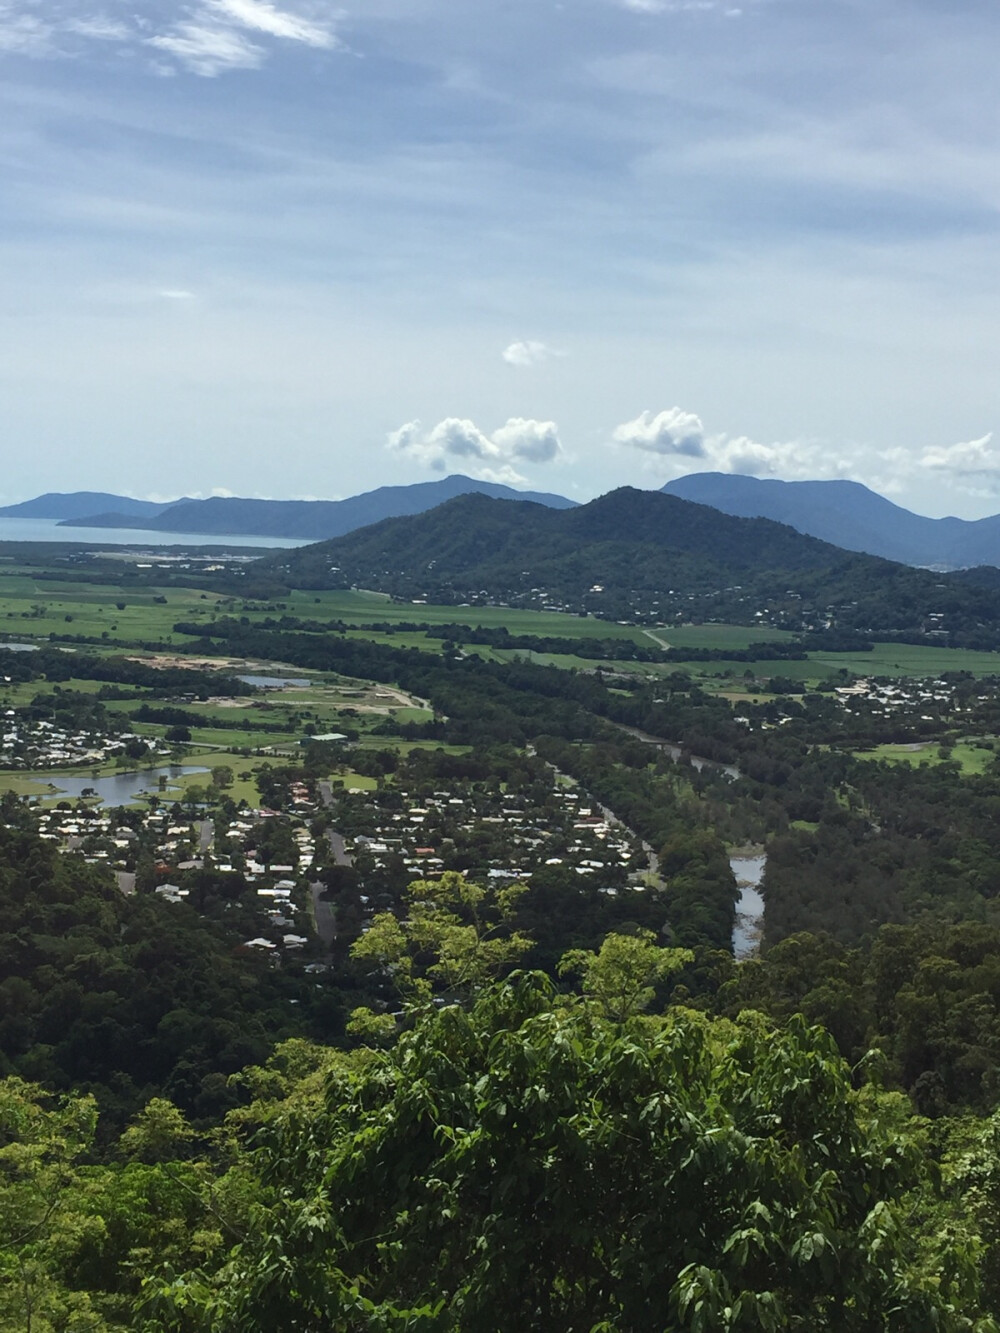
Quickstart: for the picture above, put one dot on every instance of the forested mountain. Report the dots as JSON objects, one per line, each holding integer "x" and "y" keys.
{"x": 640, "y": 553}
{"x": 312, "y": 518}
{"x": 849, "y": 515}
{"x": 74, "y": 506}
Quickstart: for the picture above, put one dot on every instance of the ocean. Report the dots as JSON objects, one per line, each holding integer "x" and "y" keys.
{"x": 48, "y": 530}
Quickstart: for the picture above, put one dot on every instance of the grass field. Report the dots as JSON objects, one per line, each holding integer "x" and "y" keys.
{"x": 970, "y": 757}
{"x": 363, "y": 608}
{"x": 720, "y": 636}
{"x": 34, "y": 608}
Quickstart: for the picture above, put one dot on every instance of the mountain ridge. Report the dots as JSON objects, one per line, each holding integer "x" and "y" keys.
{"x": 643, "y": 555}
{"x": 849, "y": 515}
{"x": 315, "y": 519}
{"x": 73, "y": 506}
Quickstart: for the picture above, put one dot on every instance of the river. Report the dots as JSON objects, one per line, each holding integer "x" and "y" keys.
{"x": 678, "y": 754}
{"x": 749, "y": 871}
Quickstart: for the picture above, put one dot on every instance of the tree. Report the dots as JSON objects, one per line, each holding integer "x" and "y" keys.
{"x": 43, "y": 1212}
{"x": 527, "y": 1163}
{"x": 622, "y": 977}
{"x": 456, "y": 935}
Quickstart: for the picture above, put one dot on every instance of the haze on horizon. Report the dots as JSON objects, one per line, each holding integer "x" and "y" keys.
{"x": 297, "y": 249}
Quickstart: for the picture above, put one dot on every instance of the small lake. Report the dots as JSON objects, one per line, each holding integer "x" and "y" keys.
{"x": 275, "y": 682}
{"x": 117, "y": 788}
{"x": 19, "y": 647}
{"x": 749, "y": 871}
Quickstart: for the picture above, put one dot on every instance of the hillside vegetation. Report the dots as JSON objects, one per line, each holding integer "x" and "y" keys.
{"x": 640, "y": 553}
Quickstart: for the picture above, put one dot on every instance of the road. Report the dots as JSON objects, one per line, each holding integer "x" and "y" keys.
{"x": 657, "y": 639}
{"x": 323, "y": 916}
{"x": 206, "y": 834}
{"x": 323, "y": 913}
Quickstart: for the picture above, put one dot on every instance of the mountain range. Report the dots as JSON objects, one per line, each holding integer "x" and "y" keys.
{"x": 849, "y": 515}
{"x": 642, "y": 554}
{"x": 78, "y": 507}
{"x": 233, "y": 516}
{"x": 844, "y": 513}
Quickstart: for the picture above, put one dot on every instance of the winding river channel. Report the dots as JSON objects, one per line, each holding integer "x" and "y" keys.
{"x": 749, "y": 871}
{"x": 747, "y": 866}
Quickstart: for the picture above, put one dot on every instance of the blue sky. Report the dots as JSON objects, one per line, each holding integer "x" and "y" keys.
{"x": 306, "y": 249}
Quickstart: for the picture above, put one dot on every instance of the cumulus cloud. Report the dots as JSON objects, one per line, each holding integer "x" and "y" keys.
{"x": 489, "y": 456}
{"x": 531, "y": 441}
{"x": 971, "y": 458}
{"x": 678, "y": 434}
{"x": 209, "y": 37}
{"x": 671, "y": 432}
{"x": 529, "y": 353}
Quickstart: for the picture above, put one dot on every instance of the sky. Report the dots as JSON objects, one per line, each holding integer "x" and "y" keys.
{"x": 300, "y": 249}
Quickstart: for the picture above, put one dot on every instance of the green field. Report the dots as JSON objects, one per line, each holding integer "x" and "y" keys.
{"x": 720, "y": 636}
{"x": 34, "y": 608}
{"x": 969, "y": 756}
{"x": 364, "y": 608}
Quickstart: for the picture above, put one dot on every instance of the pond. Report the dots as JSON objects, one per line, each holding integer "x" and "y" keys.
{"x": 275, "y": 682}
{"x": 19, "y": 647}
{"x": 120, "y": 788}
{"x": 749, "y": 871}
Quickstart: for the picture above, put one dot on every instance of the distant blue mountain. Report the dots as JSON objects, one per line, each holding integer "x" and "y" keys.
{"x": 316, "y": 520}
{"x": 75, "y": 505}
{"x": 848, "y": 515}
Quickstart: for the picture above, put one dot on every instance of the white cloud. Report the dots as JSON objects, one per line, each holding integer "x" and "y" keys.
{"x": 491, "y": 457}
{"x": 262, "y": 17}
{"x": 681, "y": 7}
{"x": 24, "y": 34}
{"x": 211, "y": 36}
{"x": 532, "y": 441}
{"x": 176, "y": 294}
{"x": 529, "y": 353}
{"x": 971, "y": 458}
{"x": 671, "y": 432}
{"x": 100, "y": 28}
{"x": 675, "y": 434}
{"x": 209, "y": 49}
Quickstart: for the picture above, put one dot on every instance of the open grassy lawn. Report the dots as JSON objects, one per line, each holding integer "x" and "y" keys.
{"x": 904, "y": 659}
{"x": 719, "y": 636}
{"x": 363, "y": 608}
{"x": 970, "y": 757}
{"x": 242, "y": 789}
{"x": 32, "y": 608}
{"x": 353, "y": 781}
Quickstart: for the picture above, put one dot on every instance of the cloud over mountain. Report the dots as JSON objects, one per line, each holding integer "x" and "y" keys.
{"x": 491, "y": 457}
{"x": 971, "y": 458}
{"x": 677, "y": 434}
